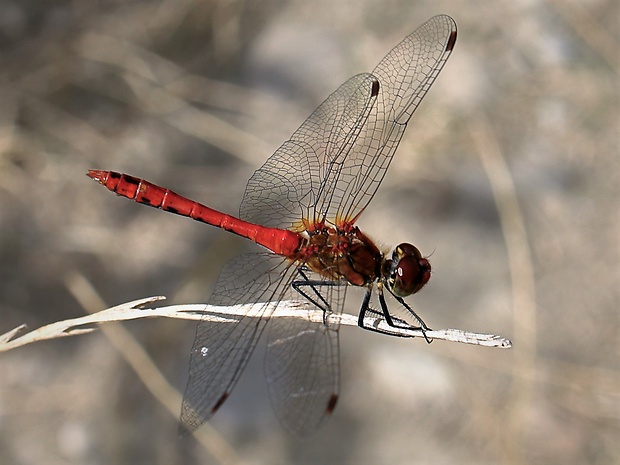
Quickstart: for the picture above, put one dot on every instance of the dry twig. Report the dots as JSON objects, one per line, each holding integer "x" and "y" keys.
{"x": 222, "y": 315}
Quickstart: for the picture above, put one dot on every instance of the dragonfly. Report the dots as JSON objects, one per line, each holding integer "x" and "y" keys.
{"x": 302, "y": 206}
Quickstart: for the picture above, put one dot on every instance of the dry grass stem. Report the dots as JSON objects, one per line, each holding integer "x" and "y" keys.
{"x": 220, "y": 315}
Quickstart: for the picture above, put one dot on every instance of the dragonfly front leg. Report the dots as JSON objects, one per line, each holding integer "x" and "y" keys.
{"x": 389, "y": 319}
{"x": 400, "y": 300}
{"x": 365, "y": 310}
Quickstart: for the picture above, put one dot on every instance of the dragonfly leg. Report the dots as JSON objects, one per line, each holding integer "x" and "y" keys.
{"x": 366, "y": 309}
{"x": 401, "y": 301}
{"x": 392, "y": 321}
{"x": 313, "y": 295}
{"x": 413, "y": 313}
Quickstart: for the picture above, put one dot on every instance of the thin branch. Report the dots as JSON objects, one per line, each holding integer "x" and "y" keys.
{"x": 222, "y": 315}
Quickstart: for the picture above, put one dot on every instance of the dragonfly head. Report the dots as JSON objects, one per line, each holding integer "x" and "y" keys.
{"x": 407, "y": 272}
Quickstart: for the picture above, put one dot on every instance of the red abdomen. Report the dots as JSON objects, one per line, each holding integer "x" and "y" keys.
{"x": 280, "y": 241}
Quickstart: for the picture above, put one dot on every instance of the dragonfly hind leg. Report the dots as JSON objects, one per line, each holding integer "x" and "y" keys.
{"x": 312, "y": 293}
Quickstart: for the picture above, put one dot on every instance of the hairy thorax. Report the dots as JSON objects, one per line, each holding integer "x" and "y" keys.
{"x": 341, "y": 254}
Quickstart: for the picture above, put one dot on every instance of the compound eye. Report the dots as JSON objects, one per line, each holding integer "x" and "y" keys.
{"x": 405, "y": 249}
{"x": 411, "y": 271}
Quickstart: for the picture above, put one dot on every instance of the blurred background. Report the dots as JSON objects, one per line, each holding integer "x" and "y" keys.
{"x": 507, "y": 176}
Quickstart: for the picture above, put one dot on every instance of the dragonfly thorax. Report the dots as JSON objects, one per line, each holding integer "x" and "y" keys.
{"x": 341, "y": 254}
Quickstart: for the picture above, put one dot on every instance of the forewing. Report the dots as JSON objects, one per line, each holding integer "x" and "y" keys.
{"x": 221, "y": 350}
{"x": 333, "y": 164}
{"x": 302, "y": 363}
{"x": 292, "y": 182}
{"x": 405, "y": 75}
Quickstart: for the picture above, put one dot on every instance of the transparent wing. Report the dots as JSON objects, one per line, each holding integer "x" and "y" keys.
{"x": 334, "y": 163}
{"x": 302, "y": 362}
{"x": 221, "y": 351}
{"x": 405, "y": 75}
{"x": 291, "y": 183}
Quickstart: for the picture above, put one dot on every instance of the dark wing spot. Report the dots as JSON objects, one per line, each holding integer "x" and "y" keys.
{"x": 375, "y": 88}
{"x": 219, "y": 403}
{"x": 451, "y": 41}
{"x": 331, "y": 405}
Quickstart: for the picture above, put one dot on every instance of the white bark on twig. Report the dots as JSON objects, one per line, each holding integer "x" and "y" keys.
{"x": 222, "y": 315}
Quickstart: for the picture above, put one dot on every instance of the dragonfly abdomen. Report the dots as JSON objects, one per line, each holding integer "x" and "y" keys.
{"x": 280, "y": 241}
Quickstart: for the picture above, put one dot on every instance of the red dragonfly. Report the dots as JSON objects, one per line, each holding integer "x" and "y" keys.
{"x": 302, "y": 205}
